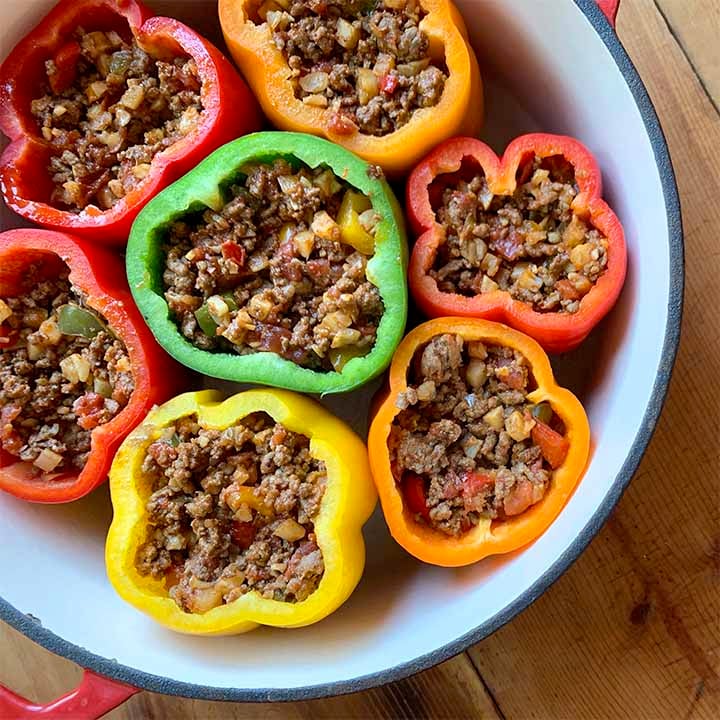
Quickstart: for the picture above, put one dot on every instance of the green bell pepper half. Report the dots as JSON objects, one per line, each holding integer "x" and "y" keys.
{"x": 207, "y": 186}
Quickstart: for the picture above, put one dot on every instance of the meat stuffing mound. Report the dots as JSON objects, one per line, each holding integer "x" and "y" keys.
{"x": 273, "y": 270}
{"x": 62, "y": 374}
{"x": 231, "y": 512}
{"x": 464, "y": 445}
{"x": 108, "y": 109}
{"x": 530, "y": 244}
{"x": 367, "y": 61}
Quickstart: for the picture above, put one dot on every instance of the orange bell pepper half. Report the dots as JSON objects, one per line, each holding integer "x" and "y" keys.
{"x": 555, "y": 331}
{"x": 568, "y": 454}
{"x": 459, "y": 110}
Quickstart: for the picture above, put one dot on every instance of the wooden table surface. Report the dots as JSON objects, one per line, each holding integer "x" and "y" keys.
{"x": 633, "y": 628}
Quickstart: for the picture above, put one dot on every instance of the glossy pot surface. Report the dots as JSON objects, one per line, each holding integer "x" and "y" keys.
{"x": 553, "y": 65}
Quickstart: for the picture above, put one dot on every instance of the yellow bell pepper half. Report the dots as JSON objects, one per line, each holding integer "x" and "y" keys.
{"x": 348, "y": 502}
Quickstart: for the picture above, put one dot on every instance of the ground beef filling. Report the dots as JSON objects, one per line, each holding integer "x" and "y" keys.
{"x": 107, "y": 110}
{"x": 274, "y": 269}
{"x": 530, "y": 244}
{"x": 463, "y": 446}
{"x": 233, "y": 511}
{"x": 368, "y": 61}
{"x": 62, "y": 373}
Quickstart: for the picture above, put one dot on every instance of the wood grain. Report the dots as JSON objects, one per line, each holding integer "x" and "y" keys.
{"x": 633, "y": 629}
{"x": 696, "y": 27}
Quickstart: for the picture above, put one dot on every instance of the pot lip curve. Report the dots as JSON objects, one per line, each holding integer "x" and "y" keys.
{"x": 32, "y": 628}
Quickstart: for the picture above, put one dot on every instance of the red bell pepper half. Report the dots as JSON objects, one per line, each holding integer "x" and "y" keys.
{"x": 101, "y": 278}
{"x": 555, "y": 331}
{"x": 228, "y": 111}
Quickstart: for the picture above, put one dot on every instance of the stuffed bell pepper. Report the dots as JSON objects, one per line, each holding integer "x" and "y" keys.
{"x": 240, "y": 513}
{"x": 279, "y": 260}
{"x": 525, "y": 239}
{"x": 475, "y": 449}
{"x": 387, "y": 79}
{"x": 105, "y": 105}
{"x": 78, "y": 367}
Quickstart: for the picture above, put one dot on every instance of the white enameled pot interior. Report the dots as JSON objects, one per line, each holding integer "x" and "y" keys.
{"x": 545, "y": 68}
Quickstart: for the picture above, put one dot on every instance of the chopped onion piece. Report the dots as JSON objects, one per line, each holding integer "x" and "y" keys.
{"x": 367, "y": 85}
{"x": 413, "y": 68}
{"x": 476, "y": 373}
{"x": 75, "y": 368}
{"x": 348, "y": 34}
{"x": 5, "y": 311}
{"x": 495, "y": 418}
{"x": 477, "y": 349}
{"x": 316, "y": 101}
{"x": 314, "y": 82}
{"x": 47, "y": 460}
{"x": 289, "y": 530}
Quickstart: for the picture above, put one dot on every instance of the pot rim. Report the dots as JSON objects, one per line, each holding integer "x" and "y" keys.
{"x": 32, "y": 628}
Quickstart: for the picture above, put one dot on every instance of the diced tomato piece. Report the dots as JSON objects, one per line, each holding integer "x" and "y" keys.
{"x": 515, "y": 379}
{"x": 11, "y": 442}
{"x": 318, "y": 6}
{"x": 519, "y": 499}
{"x": 553, "y": 446}
{"x": 473, "y": 483}
{"x": 271, "y": 337}
{"x": 318, "y": 269}
{"x": 389, "y": 84}
{"x": 413, "y": 487}
{"x": 8, "y": 413}
{"x": 292, "y": 271}
{"x": 509, "y": 373}
{"x": 567, "y": 290}
{"x": 453, "y": 485}
{"x": 286, "y": 251}
{"x": 10, "y": 439}
{"x": 8, "y": 337}
{"x": 289, "y": 266}
{"x": 509, "y": 245}
{"x": 242, "y": 533}
{"x": 232, "y": 251}
{"x": 305, "y": 548}
{"x": 89, "y": 409}
{"x": 66, "y": 64}
{"x": 341, "y": 124}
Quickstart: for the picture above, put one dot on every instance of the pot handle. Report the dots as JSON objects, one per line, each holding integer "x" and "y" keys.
{"x": 95, "y": 696}
{"x": 610, "y": 9}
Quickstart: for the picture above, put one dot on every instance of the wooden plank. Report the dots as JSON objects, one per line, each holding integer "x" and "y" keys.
{"x": 696, "y": 26}
{"x": 633, "y": 630}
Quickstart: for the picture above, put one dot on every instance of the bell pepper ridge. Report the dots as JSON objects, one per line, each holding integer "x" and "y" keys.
{"x": 348, "y": 502}
{"x": 459, "y": 111}
{"x": 99, "y": 275}
{"x": 202, "y": 187}
{"x": 487, "y": 538}
{"x": 556, "y": 332}
{"x": 229, "y": 110}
